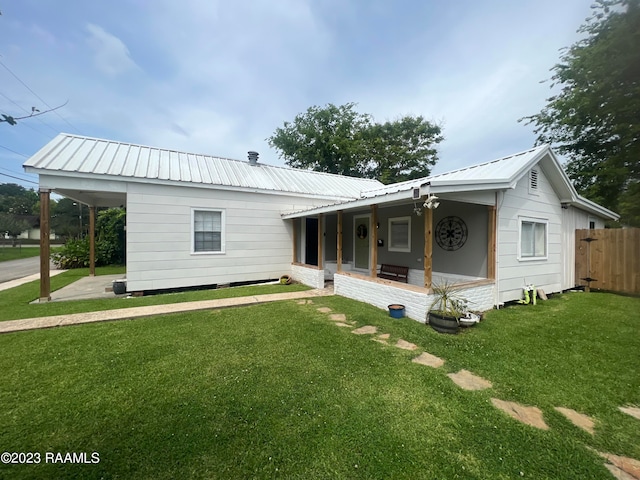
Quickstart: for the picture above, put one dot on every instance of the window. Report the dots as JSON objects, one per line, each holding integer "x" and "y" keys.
{"x": 533, "y": 239}
{"x": 208, "y": 232}
{"x": 400, "y": 234}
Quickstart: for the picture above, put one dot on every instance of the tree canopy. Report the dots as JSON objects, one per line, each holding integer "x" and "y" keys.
{"x": 340, "y": 140}
{"x": 594, "y": 119}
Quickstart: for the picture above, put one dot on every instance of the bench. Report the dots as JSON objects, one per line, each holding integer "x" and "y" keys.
{"x": 394, "y": 272}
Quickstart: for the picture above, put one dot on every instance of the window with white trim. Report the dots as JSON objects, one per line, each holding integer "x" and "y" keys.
{"x": 533, "y": 239}
{"x": 400, "y": 234}
{"x": 208, "y": 231}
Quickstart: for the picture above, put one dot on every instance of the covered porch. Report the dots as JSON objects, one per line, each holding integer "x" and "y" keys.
{"x": 434, "y": 239}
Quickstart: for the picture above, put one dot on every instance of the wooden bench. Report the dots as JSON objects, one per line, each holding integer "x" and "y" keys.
{"x": 394, "y": 272}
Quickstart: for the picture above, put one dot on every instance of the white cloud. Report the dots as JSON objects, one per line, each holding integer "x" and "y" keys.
{"x": 111, "y": 55}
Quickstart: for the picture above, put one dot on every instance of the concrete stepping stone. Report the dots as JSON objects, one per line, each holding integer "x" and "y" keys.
{"x": 580, "y": 420}
{"x": 429, "y": 360}
{"x": 633, "y": 411}
{"x": 324, "y": 309}
{"x": 623, "y": 468}
{"x": 366, "y": 330}
{"x": 468, "y": 381}
{"x": 527, "y": 415}
{"x": 341, "y": 324}
{"x": 304, "y": 302}
{"x": 403, "y": 344}
{"x": 338, "y": 317}
{"x": 383, "y": 338}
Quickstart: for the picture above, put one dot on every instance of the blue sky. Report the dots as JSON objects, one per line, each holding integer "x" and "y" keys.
{"x": 218, "y": 77}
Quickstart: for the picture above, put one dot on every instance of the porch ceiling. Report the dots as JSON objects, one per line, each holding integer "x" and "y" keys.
{"x": 93, "y": 198}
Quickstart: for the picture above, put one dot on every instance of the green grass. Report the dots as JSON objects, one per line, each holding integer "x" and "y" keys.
{"x": 16, "y": 253}
{"x": 15, "y": 302}
{"x": 277, "y": 391}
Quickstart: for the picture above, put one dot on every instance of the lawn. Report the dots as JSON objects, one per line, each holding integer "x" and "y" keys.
{"x": 278, "y": 391}
{"x": 16, "y": 253}
{"x": 15, "y": 303}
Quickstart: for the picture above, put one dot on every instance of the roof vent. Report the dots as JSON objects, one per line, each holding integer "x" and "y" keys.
{"x": 253, "y": 158}
{"x": 533, "y": 181}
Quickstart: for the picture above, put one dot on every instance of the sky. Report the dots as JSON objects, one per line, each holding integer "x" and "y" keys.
{"x": 218, "y": 77}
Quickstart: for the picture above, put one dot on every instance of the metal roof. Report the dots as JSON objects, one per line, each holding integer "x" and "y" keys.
{"x": 502, "y": 171}
{"x": 82, "y": 156}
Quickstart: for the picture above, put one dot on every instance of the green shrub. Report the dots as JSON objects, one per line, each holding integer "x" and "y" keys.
{"x": 110, "y": 243}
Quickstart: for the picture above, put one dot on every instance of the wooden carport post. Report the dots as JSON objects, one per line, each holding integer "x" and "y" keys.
{"x": 45, "y": 247}
{"x": 92, "y": 241}
{"x": 428, "y": 247}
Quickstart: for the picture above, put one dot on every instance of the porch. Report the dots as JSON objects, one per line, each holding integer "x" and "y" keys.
{"x": 453, "y": 241}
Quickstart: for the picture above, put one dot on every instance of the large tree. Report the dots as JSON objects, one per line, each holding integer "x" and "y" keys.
{"x": 594, "y": 119}
{"x": 338, "y": 139}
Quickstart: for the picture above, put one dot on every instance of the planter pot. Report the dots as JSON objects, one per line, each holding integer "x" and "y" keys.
{"x": 443, "y": 323}
{"x": 396, "y": 310}
{"x": 119, "y": 287}
{"x": 285, "y": 280}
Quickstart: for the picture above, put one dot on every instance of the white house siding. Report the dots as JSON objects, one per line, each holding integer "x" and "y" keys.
{"x": 258, "y": 243}
{"x": 416, "y": 301}
{"x": 513, "y": 273}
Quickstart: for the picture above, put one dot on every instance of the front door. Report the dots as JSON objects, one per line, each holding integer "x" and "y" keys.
{"x": 362, "y": 233}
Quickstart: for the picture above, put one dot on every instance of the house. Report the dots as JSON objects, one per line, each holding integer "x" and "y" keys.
{"x": 199, "y": 220}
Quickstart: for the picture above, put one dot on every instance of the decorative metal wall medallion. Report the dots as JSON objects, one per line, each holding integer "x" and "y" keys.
{"x": 361, "y": 231}
{"x": 451, "y": 233}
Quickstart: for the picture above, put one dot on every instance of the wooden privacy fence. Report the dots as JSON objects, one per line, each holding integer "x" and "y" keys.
{"x": 609, "y": 259}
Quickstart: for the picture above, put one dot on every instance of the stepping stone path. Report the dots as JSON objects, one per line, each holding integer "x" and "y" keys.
{"x": 633, "y": 411}
{"x": 578, "y": 419}
{"x": 383, "y": 338}
{"x": 622, "y": 468}
{"x": 403, "y": 344}
{"x": 304, "y": 302}
{"x": 528, "y": 415}
{"x": 468, "y": 381}
{"x": 428, "y": 360}
{"x": 366, "y": 330}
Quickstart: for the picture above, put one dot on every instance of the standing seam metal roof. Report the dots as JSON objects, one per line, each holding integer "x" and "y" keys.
{"x": 93, "y": 156}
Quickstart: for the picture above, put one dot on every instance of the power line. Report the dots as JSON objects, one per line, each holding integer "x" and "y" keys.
{"x": 27, "y": 124}
{"x": 17, "y": 178}
{"x": 38, "y": 96}
{"x": 13, "y": 151}
{"x": 17, "y": 173}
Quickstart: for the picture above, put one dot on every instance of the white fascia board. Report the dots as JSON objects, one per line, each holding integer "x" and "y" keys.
{"x": 592, "y": 207}
{"x": 78, "y": 177}
{"x": 475, "y": 187}
{"x": 351, "y": 205}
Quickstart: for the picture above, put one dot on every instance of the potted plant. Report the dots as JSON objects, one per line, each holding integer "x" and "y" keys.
{"x": 446, "y": 309}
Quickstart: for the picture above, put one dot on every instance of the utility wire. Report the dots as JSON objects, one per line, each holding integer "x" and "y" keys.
{"x": 27, "y": 123}
{"x": 13, "y": 151}
{"x": 38, "y": 96}
{"x": 17, "y": 178}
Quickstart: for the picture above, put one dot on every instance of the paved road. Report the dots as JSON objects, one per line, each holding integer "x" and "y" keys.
{"x": 19, "y": 268}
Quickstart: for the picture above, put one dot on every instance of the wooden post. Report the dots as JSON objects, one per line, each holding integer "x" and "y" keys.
{"x": 45, "y": 248}
{"x": 428, "y": 247}
{"x": 92, "y": 241}
{"x": 295, "y": 222}
{"x": 320, "y": 235}
{"x": 339, "y": 241}
{"x": 491, "y": 243}
{"x": 374, "y": 241}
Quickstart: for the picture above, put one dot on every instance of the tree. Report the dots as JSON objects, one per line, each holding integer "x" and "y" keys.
{"x": 69, "y": 218}
{"x": 595, "y": 118}
{"x": 338, "y": 139}
{"x": 17, "y": 200}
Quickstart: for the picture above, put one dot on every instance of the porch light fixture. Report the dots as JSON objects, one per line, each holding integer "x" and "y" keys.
{"x": 432, "y": 202}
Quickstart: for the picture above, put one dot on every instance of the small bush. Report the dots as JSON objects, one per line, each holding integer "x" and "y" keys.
{"x": 74, "y": 254}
